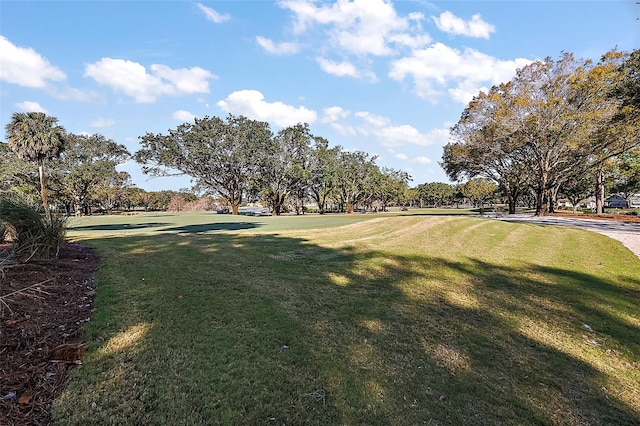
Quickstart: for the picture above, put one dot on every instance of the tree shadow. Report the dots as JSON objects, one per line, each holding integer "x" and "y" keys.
{"x": 212, "y": 227}
{"x": 348, "y": 336}
{"x": 118, "y": 226}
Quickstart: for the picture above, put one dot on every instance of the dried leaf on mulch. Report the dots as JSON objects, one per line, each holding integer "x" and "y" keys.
{"x": 39, "y": 323}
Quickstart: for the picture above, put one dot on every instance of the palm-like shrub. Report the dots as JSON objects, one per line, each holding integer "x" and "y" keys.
{"x": 31, "y": 234}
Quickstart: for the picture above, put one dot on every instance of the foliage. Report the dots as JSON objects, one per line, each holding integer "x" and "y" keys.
{"x": 84, "y": 168}
{"x": 112, "y": 189}
{"x": 221, "y": 156}
{"x": 435, "y": 194}
{"x": 479, "y": 191}
{"x": 355, "y": 178}
{"x": 555, "y": 120}
{"x": 32, "y": 235}
{"x": 283, "y": 171}
{"x": 36, "y": 137}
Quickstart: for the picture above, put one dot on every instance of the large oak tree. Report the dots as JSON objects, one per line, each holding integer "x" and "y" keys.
{"x": 222, "y": 156}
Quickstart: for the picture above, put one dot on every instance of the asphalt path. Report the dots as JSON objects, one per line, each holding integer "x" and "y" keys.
{"x": 626, "y": 232}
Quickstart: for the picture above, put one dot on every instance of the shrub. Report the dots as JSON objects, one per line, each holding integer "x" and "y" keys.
{"x": 32, "y": 236}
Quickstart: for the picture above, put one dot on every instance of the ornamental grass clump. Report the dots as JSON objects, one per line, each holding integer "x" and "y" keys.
{"x": 32, "y": 236}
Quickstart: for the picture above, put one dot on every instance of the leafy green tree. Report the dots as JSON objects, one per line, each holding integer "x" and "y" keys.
{"x": 322, "y": 171}
{"x": 17, "y": 175}
{"x": 479, "y": 191}
{"x": 36, "y": 137}
{"x": 484, "y": 145}
{"x": 112, "y": 190}
{"x": 577, "y": 188}
{"x": 554, "y": 120}
{"x": 85, "y": 163}
{"x": 436, "y": 193}
{"x": 355, "y": 177}
{"x": 159, "y": 200}
{"x": 221, "y": 156}
{"x": 284, "y": 166}
{"x": 391, "y": 186}
{"x": 626, "y": 174}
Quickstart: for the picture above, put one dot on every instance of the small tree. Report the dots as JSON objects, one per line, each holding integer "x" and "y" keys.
{"x": 36, "y": 137}
{"x": 479, "y": 191}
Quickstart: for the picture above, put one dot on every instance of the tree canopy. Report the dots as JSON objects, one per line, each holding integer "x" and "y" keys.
{"x": 36, "y": 137}
{"x": 553, "y": 121}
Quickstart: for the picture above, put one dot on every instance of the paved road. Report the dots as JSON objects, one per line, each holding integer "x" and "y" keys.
{"x": 626, "y": 232}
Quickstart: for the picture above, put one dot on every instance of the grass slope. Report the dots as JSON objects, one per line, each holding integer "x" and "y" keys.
{"x": 390, "y": 320}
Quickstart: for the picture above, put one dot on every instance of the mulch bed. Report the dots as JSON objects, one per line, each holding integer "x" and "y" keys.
{"x": 615, "y": 217}
{"x": 41, "y": 331}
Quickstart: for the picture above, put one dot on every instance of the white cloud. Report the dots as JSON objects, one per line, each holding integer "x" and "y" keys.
{"x": 183, "y": 115}
{"x": 422, "y": 160}
{"x": 344, "y": 69}
{"x": 30, "y": 106}
{"x": 451, "y": 24}
{"x": 440, "y": 68}
{"x": 333, "y": 114}
{"x": 134, "y": 80}
{"x": 284, "y": 48}
{"x": 401, "y": 156}
{"x": 360, "y": 27}
{"x": 26, "y": 67}
{"x": 251, "y": 103}
{"x": 102, "y": 122}
{"x": 373, "y": 119}
{"x": 212, "y": 15}
{"x": 390, "y": 135}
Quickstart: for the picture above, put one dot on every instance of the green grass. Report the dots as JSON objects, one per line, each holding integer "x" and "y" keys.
{"x": 364, "y": 319}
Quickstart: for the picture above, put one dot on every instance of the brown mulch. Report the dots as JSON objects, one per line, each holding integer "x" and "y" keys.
{"x": 616, "y": 217}
{"x": 41, "y": 331}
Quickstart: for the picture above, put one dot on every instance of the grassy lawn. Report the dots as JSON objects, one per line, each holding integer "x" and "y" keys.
{"x": 362, "y": 319}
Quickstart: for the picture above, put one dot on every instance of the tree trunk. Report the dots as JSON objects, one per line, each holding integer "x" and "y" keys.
{"x": 542, "y": 197}
{"x": 234, "y": 207}
{"x": 512, "y": 204}
{"x": 600, "y": 192}
{"x": 43, "y": 193}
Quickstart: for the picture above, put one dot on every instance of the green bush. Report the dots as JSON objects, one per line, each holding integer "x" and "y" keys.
{"x": 32, "y": 236}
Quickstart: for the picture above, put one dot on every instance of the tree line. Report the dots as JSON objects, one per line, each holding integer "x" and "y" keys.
{"x": 230, "y": 161}
{"x": 560, "y": 127}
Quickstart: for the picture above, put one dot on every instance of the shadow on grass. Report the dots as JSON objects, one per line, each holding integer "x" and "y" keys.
{"x": 118, "y": 226}
{"x": 260, "y": 329}
{"x": 211, "y": 227}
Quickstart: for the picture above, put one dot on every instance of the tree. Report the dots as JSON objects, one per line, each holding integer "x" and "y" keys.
{"x": 284, "y": 166}
{"x": 86, "y": 162}
{"x": 111, "y": 190}
{"x": 577, "y": 188}
{"x": 391, "y": 186}
{"x": 36, "y": 137}
{"x": 554, "y": 120}
{"x": 177, "y": 203}
{"x": 626, "y": 174}
{"x": 355, "y": 176}
{"x": 479, "y": 191}
{"x": 435, "y": 193}
{"x": 322, "y": 171}
{"x": 16, "y": 174}
{"x": 221, "y": 156}
{"x": 484, "y": 145}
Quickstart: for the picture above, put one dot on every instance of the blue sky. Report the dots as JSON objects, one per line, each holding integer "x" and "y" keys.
{"x": 387, "y": 78}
